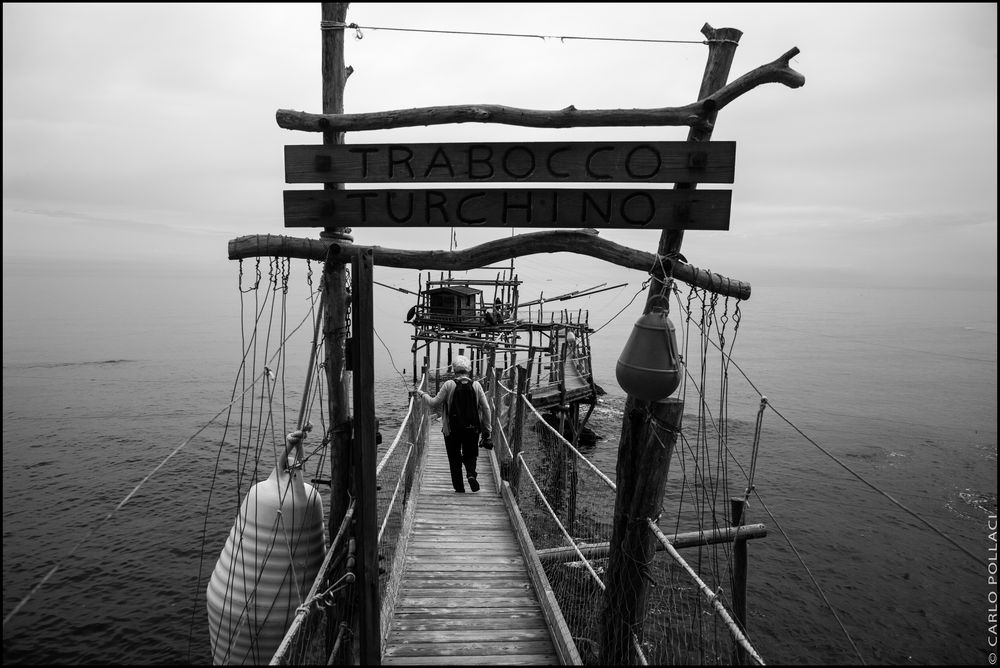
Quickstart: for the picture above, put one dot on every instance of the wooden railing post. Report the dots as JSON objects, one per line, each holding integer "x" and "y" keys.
{"x": 365, "y": 461}
{"x": 649, "y": 431}
{"x": 494, "y": 380}
{"x": 518, "y": 427}
{"x": 574, "y": 421}
{"x": 739, "y": 576}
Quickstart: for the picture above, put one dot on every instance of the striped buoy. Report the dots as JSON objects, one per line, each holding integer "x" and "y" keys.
{"x": 273, "y": 554}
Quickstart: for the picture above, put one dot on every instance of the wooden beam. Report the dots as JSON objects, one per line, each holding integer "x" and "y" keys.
{"x": 581, "y": 242}
{"x": 679, "y": 541}
{"x": 533, "y": 162}
{"x": 488, "y": 207}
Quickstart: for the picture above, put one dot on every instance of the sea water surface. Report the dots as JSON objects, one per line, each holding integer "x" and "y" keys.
{"x": 108, "y": 369}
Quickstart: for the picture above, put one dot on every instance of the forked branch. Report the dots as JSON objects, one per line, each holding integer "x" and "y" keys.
{"x": 778, "y": 71}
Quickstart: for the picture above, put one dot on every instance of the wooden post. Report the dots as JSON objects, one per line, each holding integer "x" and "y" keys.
{"x": 414, "y": 432}
{"x": 561, "y": 453}
{"x": 365, "y": 460}
{"x": 722, "y": 45}
{"x": 739, "y": 576}
{"x": 335, "y": 279}
{"x": 337, "y": 406}
{"x": 335, "y": 275}
{"x": 515, "y": 445}
{"x": 648, "y": 437}
{"x": 491, "y": 378}
{"x": 574, "y": 422}
{"x": 437, "y": 369}
{"x": 495, "y": 391}
{"x": 643, "y": 456}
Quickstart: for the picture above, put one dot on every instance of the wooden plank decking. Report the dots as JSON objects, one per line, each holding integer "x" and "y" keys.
{"x": 465, "y": 597}
{"x": 575, "y": 385}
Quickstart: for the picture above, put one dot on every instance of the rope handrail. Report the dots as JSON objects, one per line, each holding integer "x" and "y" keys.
{"x": 395, "y": 494}
{"x": 395, "y": 441}
{"x": 596, "y": 470}
{"x": 303, "y": 609}
{"x": 712, "y": 597}
{"x": 552, "y": 513}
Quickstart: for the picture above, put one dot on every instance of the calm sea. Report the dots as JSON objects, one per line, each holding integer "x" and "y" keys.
{"x": 107, "y": 369}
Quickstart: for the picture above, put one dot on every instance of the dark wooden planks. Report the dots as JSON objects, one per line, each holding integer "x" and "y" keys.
{"x": 465, "y": 596}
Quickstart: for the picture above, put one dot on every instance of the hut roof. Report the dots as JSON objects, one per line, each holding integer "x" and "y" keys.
{"x": 455, "y": 289}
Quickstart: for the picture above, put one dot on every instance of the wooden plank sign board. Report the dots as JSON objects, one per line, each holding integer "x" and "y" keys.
{"x": 490, "y": 164}
{"x": 542, "y": 162}
{"x": 491, "y": 207}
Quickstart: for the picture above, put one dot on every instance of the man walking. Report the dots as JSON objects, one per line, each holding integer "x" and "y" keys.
{"x": 466, "y": 414}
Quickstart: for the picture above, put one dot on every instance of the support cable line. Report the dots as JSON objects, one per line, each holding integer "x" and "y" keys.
{"x": 336, "y": 25}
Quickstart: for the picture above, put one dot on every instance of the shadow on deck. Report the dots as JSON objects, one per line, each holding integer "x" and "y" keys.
{"x": 466, "y": 596}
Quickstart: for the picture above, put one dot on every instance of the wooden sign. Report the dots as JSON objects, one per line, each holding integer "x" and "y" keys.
{"x": 542, "y": 162}
{"x": 490, "y": 207}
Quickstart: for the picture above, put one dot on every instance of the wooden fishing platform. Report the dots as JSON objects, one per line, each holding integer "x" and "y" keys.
{"x": 569, "y": 386}
{"x": 466, "y": 596}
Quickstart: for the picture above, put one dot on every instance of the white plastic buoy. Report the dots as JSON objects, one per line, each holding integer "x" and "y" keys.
{"x": 273, "y": 554}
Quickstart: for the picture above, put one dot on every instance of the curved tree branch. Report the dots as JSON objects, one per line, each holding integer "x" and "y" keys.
{"x": 693, "y": 114}
{"x": 582, "y": 242}
{"x": 777, "y": 71}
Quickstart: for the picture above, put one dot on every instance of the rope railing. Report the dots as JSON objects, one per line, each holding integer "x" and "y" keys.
{"x": 711, "y": 596}
{"x": 397, "y": 475}
{"x": 290, "y": 652}
{"x": 568, "y": 511}
{"x": 544, "y": 423}
{"x": 555, "y": 517}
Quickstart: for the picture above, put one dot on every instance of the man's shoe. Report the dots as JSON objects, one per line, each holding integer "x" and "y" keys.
{"x": 473, "y": 484}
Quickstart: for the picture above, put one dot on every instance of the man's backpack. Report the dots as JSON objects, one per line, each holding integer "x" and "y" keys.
{"x": 463, "y": 410}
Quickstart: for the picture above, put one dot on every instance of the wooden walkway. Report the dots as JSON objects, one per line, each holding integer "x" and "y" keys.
{"x": 465, "y": 596}
{"x": 575, "y": 388}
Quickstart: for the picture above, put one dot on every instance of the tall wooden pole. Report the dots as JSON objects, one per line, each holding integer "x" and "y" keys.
{"x": 366, "y": 522}
{"x": 334, "y": 78}
{"x": 643, "y": 461}
{"x": 722, "y": 45}
{"x": 335, "y": 295}
{"x": 738, "y": 578}
{"x": 649, "y": 432}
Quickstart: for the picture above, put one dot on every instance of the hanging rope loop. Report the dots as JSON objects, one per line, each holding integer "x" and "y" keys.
{"x": 294, "y": 441}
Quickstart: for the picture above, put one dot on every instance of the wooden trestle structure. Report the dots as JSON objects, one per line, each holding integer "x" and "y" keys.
{"x": 452, "y": 318}
{"x": 574, "y": 212}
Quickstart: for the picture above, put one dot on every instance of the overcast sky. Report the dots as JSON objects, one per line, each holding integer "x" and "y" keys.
{"x": 148, "y": 131}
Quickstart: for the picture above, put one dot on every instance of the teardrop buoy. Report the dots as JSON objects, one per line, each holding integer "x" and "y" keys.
{"x": 271, "y": 557}
{"x": 649, "y": 367}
